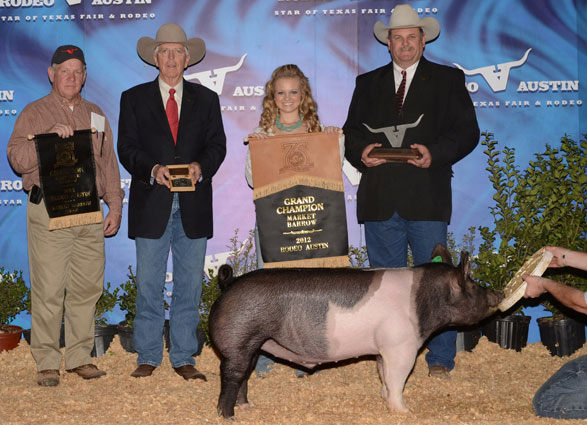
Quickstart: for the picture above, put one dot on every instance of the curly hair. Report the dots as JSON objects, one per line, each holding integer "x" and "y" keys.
{"x": 307, "y": 106}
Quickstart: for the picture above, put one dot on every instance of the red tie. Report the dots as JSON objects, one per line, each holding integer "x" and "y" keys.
{"x": 172, "y": 115}
{"x": 399, "y": 95}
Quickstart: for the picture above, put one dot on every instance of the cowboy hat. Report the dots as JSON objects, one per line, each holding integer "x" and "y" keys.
{"x": 404, "y": 16}
{"x": 171, "y": 33}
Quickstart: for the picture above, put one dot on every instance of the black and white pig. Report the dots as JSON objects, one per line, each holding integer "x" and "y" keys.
{"x": 314, "y": 316}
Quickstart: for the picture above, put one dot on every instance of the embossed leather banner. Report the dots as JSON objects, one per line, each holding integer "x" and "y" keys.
{"x": 299, "y": 200}
{"x": 68, "y": 179}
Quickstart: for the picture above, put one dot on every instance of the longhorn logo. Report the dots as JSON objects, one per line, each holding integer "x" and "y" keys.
{"x": 214, "y": 79}
{"x": 395, "y": 133}
{"x": 496, "y": 75}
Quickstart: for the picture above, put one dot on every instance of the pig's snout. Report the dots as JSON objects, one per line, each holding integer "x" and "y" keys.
{"x": 493, "y": 300}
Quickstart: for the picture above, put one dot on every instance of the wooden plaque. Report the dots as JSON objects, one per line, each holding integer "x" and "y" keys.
{"x": 181, "y": 180}
{"x": 395, "y": 154}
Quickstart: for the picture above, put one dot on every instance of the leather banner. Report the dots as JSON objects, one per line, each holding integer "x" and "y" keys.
{"x": 299, "y": 200}
{"x": 68, "y": 179}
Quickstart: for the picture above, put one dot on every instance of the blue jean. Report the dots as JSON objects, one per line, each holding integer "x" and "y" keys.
{"x": 564, "y": 395}
{"x": 188, "y": 256}
{"x": 387, "y": 246}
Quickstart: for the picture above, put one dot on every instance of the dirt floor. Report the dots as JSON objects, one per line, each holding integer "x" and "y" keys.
{"x": 490, "y": 385}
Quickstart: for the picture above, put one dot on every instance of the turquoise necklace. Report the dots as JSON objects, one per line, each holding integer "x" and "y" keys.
{"x": 287, "y": 128}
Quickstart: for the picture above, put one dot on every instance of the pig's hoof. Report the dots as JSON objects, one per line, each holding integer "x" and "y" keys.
{"x": 397, "y": 405}
{"x": 226, "y": 417}
{"x": 398, "y": 409}
{"x": 244, "y": 406}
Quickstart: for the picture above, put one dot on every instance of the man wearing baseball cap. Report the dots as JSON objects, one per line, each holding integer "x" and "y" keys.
{"x": 166, "y": 122}
{"x": 410, "y": 103}
{"x": 66, "y": 265}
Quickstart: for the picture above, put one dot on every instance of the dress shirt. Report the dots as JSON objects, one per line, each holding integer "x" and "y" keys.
{"x": 164, "y": 87}
{"x": 397, "y": 76}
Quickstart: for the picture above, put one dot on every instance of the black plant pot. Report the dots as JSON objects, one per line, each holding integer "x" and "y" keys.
{"x": 467, "y": 338}
{"x": 199, "y": 335}
{"x": 509, "y": 332}
{"x": 26, "y": 334}
{"x": 103, "y": 336}
{"x": 125, "y": 334}
{"x": 562, "y": 336}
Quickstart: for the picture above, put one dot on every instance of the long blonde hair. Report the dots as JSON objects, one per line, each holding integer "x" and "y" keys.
{"x": 307, "y": 105}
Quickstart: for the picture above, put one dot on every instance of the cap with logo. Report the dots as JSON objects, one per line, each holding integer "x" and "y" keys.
{"x": 63, "y": 53}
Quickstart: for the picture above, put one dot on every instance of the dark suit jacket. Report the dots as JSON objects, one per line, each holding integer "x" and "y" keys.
{"x": 144, "y": 140}
{"x": 448, "y": 128}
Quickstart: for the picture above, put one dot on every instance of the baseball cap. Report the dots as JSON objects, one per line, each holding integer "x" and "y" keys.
{"x": 67, "y": 52}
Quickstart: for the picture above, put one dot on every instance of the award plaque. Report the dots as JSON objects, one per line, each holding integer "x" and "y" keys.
{"x": 395, "y": 154}
{"x": 180, "y": 180}
{"x": 67, "y": 175}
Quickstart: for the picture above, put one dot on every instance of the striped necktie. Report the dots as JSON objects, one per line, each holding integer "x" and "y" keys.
{"x": 399, "y": 95}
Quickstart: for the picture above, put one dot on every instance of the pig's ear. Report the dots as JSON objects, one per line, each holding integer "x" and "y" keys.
{"x": 464, "y": 264}
{"x": 441, "y": 251}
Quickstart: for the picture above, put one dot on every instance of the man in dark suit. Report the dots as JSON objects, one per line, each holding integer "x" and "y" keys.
{"x": 415, "y": 104}
{"x": 164, "y": 122}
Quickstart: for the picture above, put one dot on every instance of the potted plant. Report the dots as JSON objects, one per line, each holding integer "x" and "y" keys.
{"x": 544, "y": 204}
{"x": 103, "y": 332}
{"x": 503, "y": 250}
{"x": 561, "y": 333}
{"x": 558, "y": 183}
{"x": 14, "y": 298}
{"x": 127, "y": 303}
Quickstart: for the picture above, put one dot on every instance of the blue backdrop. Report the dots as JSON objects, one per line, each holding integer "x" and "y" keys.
{"x": 524, "y": 62}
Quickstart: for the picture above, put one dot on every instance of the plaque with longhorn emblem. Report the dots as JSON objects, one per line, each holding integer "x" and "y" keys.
{"x": 393, "y": 152}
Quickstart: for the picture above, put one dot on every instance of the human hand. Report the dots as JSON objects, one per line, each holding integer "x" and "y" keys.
{"x": 368, "y": 161}
{"x": 162, "y": 175}
{"x": 425, "y": 161}
{"x": 332, "y": 130}
{"x": 557, "y": 256}
{"x": 535, "y": 286}
{"x": 257, "y": 136}
{"x": 111, "y": 224}
{"x": 63, "y": 130}
{"x": 195, "y": 171}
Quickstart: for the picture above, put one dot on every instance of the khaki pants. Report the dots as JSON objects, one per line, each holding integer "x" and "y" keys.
{"x": 67, "y": 272}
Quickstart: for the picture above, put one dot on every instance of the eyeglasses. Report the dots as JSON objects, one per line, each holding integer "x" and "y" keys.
{"x": 167, "y": 51}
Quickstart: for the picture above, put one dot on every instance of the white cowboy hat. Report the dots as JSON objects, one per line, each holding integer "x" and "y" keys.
{"x": 171, "y": 33}
{"x": 404, "y": 16}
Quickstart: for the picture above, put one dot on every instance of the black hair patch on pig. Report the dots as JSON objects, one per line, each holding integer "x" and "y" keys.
{"x": 289, "y": 306}
{"x": 433, "y": 296}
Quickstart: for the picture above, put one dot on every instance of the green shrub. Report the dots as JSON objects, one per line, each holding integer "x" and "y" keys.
{"x": 14, "y": 295}
{"x": 358, "y": 256}
{"x": 544, "y": 204}
{"x": 105, "y": 304}
{"x": 127, "y": 301}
